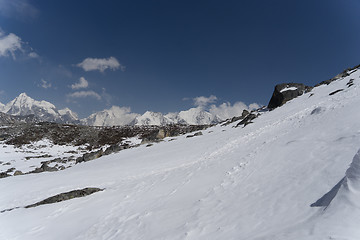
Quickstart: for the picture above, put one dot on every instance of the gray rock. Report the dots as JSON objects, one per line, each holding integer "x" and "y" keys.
{"x": 44, "y": 168}
{"x": 334, "y": 92}
{"x": 114, "y": 148}
{"x": 247, "y": 120}
{"x": 4, "y": 175}
{"x": 17, "y": 172}
{"x": 90, "y": 156}
{"x": 66, "y": 196}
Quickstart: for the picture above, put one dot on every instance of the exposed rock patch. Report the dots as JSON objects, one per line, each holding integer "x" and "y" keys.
{"x": 61, "y": 197}
{"x": 334, "y": 92}
{"x": 66, "y": 196}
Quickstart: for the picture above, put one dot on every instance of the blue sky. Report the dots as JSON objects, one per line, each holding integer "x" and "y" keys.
{"x": 161, "y": 55}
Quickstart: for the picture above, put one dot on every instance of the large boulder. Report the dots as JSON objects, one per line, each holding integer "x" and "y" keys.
{"x": 285, "y": 92}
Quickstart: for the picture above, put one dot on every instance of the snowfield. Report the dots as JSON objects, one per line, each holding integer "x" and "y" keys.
{"x": 256, "y": 182}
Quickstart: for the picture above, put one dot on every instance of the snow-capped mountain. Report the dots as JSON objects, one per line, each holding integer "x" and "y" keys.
{"x": 151, "y": 118}
{"x": 68, "y": 116}
{"x": 115, "y": 116}
{"x": 24, "y": 105}
{"x": 118, "y": 116}
{"x": 197, "y": 116}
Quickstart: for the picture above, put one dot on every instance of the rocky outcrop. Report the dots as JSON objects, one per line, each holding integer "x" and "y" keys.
{"x": 61, "y": 197}
{"x": 285, "y": 92}
{"x": 90, "y": 156}
{"x": 66, "y": 196}
{"x": 343, "y": 74}
{"x": 44, "y": 168}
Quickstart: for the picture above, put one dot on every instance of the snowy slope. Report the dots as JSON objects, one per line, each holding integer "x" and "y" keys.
{"x": 256, "y": 182}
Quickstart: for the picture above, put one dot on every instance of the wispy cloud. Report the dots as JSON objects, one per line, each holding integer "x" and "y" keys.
{"x": 83, "y": 83}
{"x": 12, "y": 45}
{"x": 33, "y": 55}
{"x": 20, "y": 9}
{"x": 84, "y": 94}
{"x": 45, "y": 84}
{"x": 204, "y": 101}
{"x": 100, "y": 64}
{"x": 9, "y": 44}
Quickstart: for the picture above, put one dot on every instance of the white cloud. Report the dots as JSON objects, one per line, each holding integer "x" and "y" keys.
{"x": 81, "y": 84}
{"x": 45, "y": 84}
{"x": 33, "y": 55}
{"x": 204, "y": 101}
{"x": 100, "y": 64}
{"x": 9, "y": 44}
{"x": 84, "y": 94}
{"x": 20, "y": 9}
{"x": 226, "y": 110}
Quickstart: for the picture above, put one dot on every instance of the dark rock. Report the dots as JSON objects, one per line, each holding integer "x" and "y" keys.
{"x": 4, "y": 175}
{"x": 281, "y": 95}
{"x": 90, "y": 156}
{"x": 345, "y": 73}
{"x": 247, "y": 120}
{"x": 113, "y": 149}
{"x": 10, "y": 170}
{"x": 149, "y": 145}
{"x": 350, "y": 83}
{"x": 334, "y": 92}
{"x": 66, "y": 196}
{"x": 44, "y": 168}
{"x": 234, "y": 119}
{"x": 194, "y": 135}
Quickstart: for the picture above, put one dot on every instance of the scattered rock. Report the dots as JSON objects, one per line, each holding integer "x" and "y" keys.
{"x": 42, "y": 156}
{"x": 334, "y": 92}
{"x": 350, "y": 83}
{"x": 115, "y": 148}
{"x": 17, "y": 172}
{"x": 345, "y": 73}
{"x": 10, "y": 170}
{"x": 4, "y": 175}
{"x": 194, "y": 135}
{"x": 90, "y": 156}
{"x": 247, "y": 120}
{"x": 149, "y": 145}
{"x": 44, "y": 168}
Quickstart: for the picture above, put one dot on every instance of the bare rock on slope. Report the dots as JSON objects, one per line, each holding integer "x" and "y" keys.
{"x": 285, "y": 92}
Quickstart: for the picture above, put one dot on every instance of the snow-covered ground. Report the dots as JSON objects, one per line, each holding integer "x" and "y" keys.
{"x": 28, "y": 157}
{"x": 256, "y": 182}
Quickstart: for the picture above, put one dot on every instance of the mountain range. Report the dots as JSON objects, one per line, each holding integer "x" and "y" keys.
{"x": 23, "y": 105}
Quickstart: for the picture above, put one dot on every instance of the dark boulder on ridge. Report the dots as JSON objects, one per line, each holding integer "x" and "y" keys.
{"x": 285, "y": 92}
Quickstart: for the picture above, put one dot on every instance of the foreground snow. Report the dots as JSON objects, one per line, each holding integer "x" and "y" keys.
{"x": 256, "y": 182}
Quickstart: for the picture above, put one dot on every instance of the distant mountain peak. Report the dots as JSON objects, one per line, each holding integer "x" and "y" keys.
{"x": 24, "y": 105}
